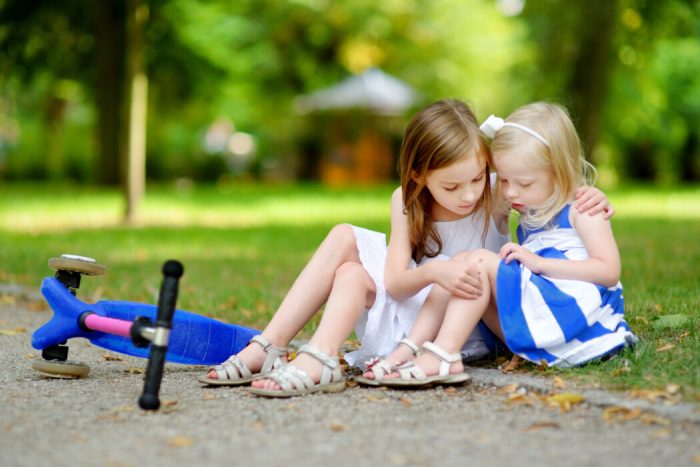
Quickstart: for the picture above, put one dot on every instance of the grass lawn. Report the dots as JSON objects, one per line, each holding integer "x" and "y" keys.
{"x": 242, "y": 247}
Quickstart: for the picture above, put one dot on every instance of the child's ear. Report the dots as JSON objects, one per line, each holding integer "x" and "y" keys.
{"x": 415, "y": 177}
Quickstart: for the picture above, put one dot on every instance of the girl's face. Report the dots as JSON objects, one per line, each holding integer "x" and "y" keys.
{"x": 457, "y": 188}
{"x": 524, "y": 182}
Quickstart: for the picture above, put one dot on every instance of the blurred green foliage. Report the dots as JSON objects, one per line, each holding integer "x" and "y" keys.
{"x": 245, "y": 61}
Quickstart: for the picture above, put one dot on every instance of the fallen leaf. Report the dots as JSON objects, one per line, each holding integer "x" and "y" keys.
{"x": 652, "y": 395}
{"x": 520, "y": 399}
{"x": 558, "y": 382}
{"x": 451, "y": 390}
{"x": 540, "y": 425}
{"x": 564, "y": 400}
{"x": 512, "y": 364}
{"x": 168, "y": 403}
{"x": 671, "y": 321}
{"x": 662, "y": 433}
{"x": 8, "y": 299}
{"x": 373, "y": 398}
{"x": 180, "y": 442}
{"x": 672, "y": 388}
{"x": 208, "y": 396}
{"x": 665, "y": 348}
{"x": 135, "y": 370}
{"x": 508, "y": 389}
{"x": 406, "y": 402}
{"x": 36, "y": 305}
{"x": 123, "y": 408}
{"x": 12, "y": 332}
{"x": 620, "y": 414}
{"x": 112, "y": 358}
{"x": 258, "y": 425}
{"x": 653, "y": 419}
{"x": 337, "y": 427}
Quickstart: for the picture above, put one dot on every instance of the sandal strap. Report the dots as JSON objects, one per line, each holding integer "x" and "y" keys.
{"x": 273, "y": 354}
{"x": 232, "y": 369}
{"x": 331, "y": 366}
{"x": 409, "y": 371}
{"x": 379, "y": 367}
{"x": 447, "y": 359}
{"x": 290, "y": 378}
{"x": 412, "y": 346}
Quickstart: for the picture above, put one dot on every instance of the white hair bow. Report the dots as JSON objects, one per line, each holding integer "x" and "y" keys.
{"x": 492, "y": 124}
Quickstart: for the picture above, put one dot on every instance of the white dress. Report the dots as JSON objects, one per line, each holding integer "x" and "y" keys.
{"x": 388, "y": 321}
{"x": 558, "y": 321}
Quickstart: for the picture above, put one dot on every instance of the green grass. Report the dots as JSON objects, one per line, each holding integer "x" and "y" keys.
{"x": 242, "y": 247}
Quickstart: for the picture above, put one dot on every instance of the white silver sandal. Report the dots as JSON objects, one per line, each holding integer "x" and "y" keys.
{"x": 411, "y": 375}
{"x": 380, "y": 367}
{"x": 233, "y": 372}
{"x": 295, "y": 382}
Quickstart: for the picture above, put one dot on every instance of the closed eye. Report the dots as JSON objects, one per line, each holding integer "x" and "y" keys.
{"x": 451, "y": 188}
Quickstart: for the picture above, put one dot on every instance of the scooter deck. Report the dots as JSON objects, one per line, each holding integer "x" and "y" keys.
{"x": 194, "y": 339}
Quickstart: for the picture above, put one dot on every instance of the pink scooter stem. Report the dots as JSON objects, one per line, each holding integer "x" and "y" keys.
{"x": 95, "y": 322}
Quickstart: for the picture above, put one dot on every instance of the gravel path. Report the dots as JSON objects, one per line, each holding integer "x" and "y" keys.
{"x": 95, "y": 420}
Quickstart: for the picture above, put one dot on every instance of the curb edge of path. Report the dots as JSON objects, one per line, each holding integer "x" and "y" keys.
{"x": 680, "y": 412}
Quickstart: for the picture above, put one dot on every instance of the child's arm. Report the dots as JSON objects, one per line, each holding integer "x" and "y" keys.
{"x": 591, "y": 200}
{"x": 456, "y": 276}
{"x": 603, "y": 263}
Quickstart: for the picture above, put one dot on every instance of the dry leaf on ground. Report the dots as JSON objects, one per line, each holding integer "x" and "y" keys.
{"x": 564, "y": 400}
{"x": 558, "y": 382}
{"x": 180, "y": 442}
{"x": 540, "y": 425}
{"x": 337, "y": 427}
{"x": 620, "y": 414}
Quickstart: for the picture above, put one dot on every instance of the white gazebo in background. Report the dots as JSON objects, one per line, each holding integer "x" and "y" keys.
{"x": 357, "y": 120}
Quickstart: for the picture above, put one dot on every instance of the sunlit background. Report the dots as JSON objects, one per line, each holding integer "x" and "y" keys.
{"x": 321, "y": 90}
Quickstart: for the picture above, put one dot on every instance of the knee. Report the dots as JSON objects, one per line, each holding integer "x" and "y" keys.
{"x": 342, "y": 237}
{"x": 351, "y": 271}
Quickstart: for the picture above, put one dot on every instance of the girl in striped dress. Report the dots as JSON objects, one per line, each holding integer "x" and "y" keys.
{"x": 554, "y": 298}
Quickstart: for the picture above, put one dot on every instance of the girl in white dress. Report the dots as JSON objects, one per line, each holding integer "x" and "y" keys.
{"x": 555, "y": 298}
{"x": 443, "y": 205}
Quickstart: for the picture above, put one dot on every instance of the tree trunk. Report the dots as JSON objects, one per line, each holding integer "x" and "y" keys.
{"x": 589, "y": 82}
{"x": 134, "y": 148}
{"x": 110, "y": 87}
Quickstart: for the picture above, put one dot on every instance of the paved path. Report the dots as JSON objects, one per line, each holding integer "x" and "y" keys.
{"x": 95, "y": 421}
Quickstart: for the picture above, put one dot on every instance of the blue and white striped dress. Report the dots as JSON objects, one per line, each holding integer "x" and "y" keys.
{"x": 563, "y": 322}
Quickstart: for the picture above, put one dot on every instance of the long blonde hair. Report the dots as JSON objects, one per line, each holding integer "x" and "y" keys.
{"x": 439, "y": 135}
{"x": 562, "y": 156}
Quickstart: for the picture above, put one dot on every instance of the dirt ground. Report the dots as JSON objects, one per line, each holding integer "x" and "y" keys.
{"x": 495, "y": 419}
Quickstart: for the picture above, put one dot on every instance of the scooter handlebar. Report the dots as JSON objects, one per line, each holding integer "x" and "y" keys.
{"x": 172, "y": 271}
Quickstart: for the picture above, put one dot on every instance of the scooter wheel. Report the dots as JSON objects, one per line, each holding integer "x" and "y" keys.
{"x": 61, "y": 369}
{"x": 79, "y": 264}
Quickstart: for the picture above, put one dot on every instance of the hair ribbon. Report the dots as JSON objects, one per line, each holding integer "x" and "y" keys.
{"x": 492, "y": 124}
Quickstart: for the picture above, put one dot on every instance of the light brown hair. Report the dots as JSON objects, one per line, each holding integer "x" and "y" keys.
{"x": 562, "y": 156}
{"x": 439, "y": 135}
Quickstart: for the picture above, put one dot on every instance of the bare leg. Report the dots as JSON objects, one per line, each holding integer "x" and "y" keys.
{"x": 308, "y": 293}
{"x": 462, "y": 316}
{"x": 353, "y": 291}
{"x": 424, "y": 329}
